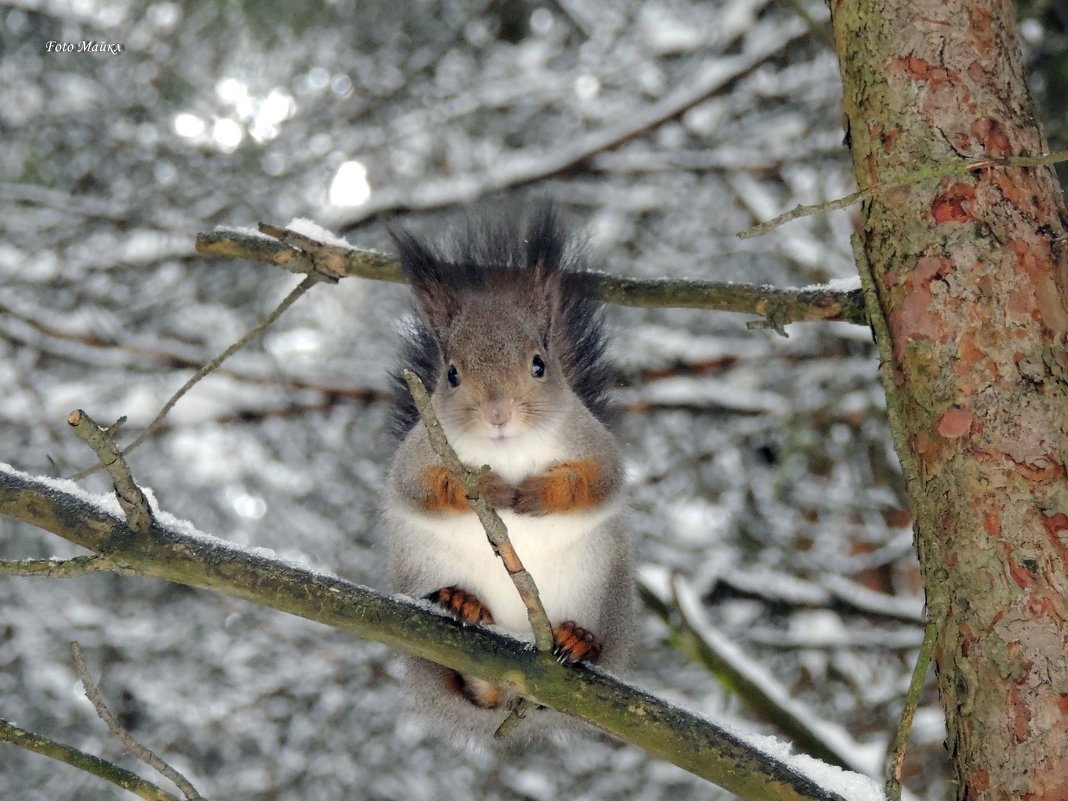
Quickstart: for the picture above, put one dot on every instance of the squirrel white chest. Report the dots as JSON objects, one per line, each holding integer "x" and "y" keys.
{"x": 557, "y": 549}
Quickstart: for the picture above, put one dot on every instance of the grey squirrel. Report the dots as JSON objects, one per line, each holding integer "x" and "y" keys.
{"x": 513, "y": 355}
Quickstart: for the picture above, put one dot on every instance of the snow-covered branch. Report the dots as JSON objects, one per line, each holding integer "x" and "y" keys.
{"x": 174, "y": 550}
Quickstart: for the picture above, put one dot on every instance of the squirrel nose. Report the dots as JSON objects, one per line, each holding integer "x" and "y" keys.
{"x": 498, "y": 411}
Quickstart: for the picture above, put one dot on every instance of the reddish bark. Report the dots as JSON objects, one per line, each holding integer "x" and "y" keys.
{"x": 971, "y": 273}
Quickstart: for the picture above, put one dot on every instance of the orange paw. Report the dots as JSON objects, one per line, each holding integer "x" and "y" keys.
{"x": 575, "y": 644}
{"x": 567, "y": 487}
{"x": 442, "y": 492}
{"x": 461, "y": 604}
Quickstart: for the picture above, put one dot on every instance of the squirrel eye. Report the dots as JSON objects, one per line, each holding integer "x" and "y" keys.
{"x": 537, "y": 367}
{"x": 453, "y": 375}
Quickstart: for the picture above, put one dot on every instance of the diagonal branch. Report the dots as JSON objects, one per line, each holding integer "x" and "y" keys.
{"x": 149, "y": 757}
{"x": 277, "y": 312}
{"x": 39, "y": 744}
{"x": 496, "y": 531}
{"x": 922, "y": 173}
{"x": 171, "y": 552}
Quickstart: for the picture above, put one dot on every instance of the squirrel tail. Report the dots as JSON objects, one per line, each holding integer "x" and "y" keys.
{"x": 482, "y": 253}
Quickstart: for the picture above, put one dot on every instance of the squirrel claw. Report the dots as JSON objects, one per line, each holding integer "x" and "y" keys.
{"x": 462, "y": 605}
{"x": 575, "y": 644}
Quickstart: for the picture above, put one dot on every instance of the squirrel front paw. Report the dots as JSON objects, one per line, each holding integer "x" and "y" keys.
{"x": 530, "y": 496}
{"x": 461, "y": 604}
{"x": 575, "y": 644}
{"x": 499, "y": 493}
{"x": 566, "y": 487}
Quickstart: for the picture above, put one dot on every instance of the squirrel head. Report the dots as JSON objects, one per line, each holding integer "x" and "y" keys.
{"x": 499, "y": 375}
{"x": 506, "y": 341}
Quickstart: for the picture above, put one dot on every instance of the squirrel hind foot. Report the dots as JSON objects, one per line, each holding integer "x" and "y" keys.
{"x": 575, "y": 644}
{"x": 464, "y": 606}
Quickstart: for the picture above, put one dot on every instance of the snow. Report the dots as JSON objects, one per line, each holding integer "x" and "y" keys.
{"x": 847, "y": 283}
{"x": 866, "y": 758}
{"x": 243, "y": 231}
{"x": 706, "y": 392}
{"x": 905, "y": 607}
{"x": 105, "y": 503}
{"x": 313, "y": 230}
{"x": 851, "y": 786}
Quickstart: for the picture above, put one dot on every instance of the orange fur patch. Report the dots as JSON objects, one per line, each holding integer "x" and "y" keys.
{"x": 571, "y": 486}
{"x": 443, "y": 493}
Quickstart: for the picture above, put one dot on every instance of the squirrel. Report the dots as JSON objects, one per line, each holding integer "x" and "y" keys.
{"x": 512, "y": 352}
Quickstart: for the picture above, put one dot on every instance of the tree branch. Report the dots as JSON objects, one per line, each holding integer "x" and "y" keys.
{"x": 275, "y": 313}
{"x": 62, "y": 568}
{"x": 149, "y": 757}
{"x": 777, "y": 306}
{"x": 169, "y": 552}
{"x": 132, "y": 500}
{"x": 121, "y": 777}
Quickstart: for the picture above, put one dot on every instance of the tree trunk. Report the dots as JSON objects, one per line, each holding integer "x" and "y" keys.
{"x": 970, "y": 273}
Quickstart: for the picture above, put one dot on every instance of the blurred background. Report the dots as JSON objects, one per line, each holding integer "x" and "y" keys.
{"x": 766, "y": 492}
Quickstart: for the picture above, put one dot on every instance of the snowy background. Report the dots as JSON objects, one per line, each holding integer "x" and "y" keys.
{"x": 765, "y": 489}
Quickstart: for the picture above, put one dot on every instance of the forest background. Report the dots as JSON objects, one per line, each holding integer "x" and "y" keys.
{"x": 763, "y": 476}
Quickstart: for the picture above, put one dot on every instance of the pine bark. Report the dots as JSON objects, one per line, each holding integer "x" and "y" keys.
{"x": 971, "y": 278}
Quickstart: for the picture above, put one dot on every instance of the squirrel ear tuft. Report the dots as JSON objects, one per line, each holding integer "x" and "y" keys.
{"x": 430, "y": 280}
{"x": 546, "y": 303}
{"x": 545, "y": 240}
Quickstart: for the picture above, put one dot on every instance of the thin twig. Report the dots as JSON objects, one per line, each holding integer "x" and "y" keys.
{"x": 277, "y": 312}
{"x": 39, "y": 744}
{"x": 895, "y": 752}
{"x": 515, "y": 717}
{"x": 496, "y": 531}
{"x": 936, "y": 595}
{"x": 92, "y": 692}
{"x": 132, "y": 500}
{"x": 63, "y": 568}
{"x": 926, "y": 173}
{"x": 802, "y": 210}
